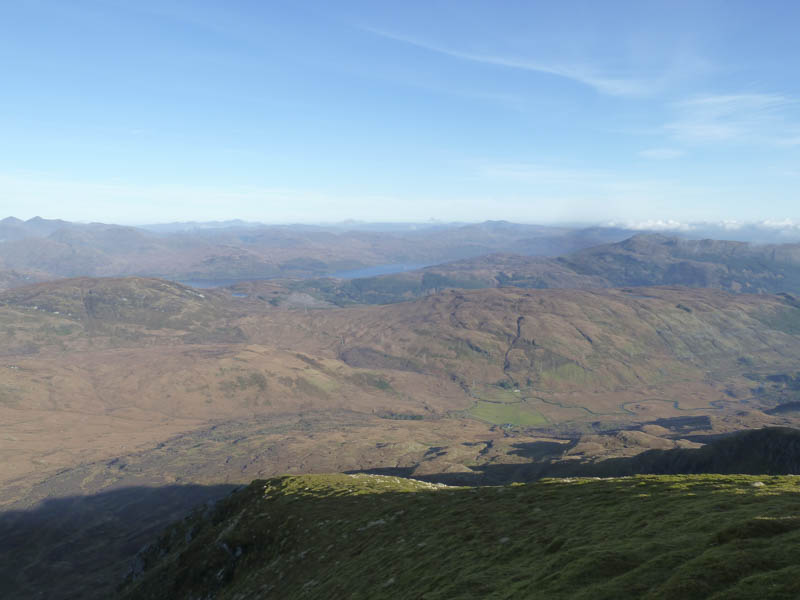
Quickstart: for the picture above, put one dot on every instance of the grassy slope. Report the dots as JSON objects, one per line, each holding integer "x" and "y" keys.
{"x": 364, "y": 536}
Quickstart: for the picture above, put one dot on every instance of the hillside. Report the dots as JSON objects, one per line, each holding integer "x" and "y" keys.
{"x": 151, "y": 303}
{"x": 135, "y": 381}
{"x": 489, "y": 271}
{"x": 661, "y": 260}
{"x": 770, "y": 450}
{"x": 553, "y": 345}
{"x": 365, "y": 536}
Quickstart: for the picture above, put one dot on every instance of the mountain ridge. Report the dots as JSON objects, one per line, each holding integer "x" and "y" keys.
{"x": 366, "y": 536}
{"x": 642, "y": 260}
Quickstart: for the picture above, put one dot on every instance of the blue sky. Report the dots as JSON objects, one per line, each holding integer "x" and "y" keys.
{"x": 138, "y": 111}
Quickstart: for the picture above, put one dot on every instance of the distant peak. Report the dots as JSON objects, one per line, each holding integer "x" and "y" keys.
{"x": 641, "y": 239}
{"x": 655, "y": 237}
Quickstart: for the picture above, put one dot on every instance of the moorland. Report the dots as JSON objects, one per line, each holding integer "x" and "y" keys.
{"x": 128, "y": 398}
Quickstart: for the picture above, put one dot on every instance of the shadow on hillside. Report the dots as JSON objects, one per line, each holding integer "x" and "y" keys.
{"x": 82, "y": 546}
{"x": 540, "y": 455}
{"x": 542, "y": 450}
{"x": 683, "y": 425}
{"x": 767, "y": 451}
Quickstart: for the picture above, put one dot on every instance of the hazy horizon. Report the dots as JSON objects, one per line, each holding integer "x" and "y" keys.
{"x": 668, "y": 225}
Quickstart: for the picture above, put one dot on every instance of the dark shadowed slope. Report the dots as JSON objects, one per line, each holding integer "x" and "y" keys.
{"x": 771, "y": 450}
{"x": 81, "y": 547}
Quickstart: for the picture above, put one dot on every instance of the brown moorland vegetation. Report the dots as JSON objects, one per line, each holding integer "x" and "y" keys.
{"x": 96, "y": 370}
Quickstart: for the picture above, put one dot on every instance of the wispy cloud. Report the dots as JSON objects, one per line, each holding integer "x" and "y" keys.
{"x": 602, "y": 82}
{"x": 750, "y": 118}
{"x": 661, "y": 153}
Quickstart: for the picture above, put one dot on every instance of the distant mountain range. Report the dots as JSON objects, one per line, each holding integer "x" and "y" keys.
{"x": 40, "y": 249}
{"x": 641, "y": 260}
{"x": 490, "y": 254}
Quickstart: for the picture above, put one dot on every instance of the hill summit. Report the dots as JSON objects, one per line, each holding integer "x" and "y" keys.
{"x": 368, "y": 536}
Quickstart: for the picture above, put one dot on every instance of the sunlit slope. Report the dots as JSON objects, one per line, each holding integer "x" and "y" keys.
{"x": 95, "y": 313}
{"x": 653, "y": 259}
{"x": 608, "y": 338}
{"x": 569, "y": 355}
{"x": 537, "y": 340}
{"x": 339, "y": 536}
{"x": 95, "y": 368}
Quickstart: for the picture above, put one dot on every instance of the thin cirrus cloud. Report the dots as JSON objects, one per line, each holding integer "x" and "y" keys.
{"x": 736, "y": 118}
{"x": 614, "y": 86}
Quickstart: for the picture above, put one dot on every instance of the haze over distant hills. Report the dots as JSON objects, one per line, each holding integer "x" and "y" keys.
{"x": 41, "y": 249}
{"x": 642, "y": 260}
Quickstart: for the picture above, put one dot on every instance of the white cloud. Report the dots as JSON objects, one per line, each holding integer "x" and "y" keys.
{"x": 661, "y": 153}
{"x": 785, "y": 227}
{"x": 653, "y": 225}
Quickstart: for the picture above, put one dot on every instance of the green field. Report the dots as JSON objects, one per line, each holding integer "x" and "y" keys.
{"x": 518, "y": 413}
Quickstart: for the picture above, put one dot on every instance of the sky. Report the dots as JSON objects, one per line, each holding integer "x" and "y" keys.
{"x": 632, "y": 112}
